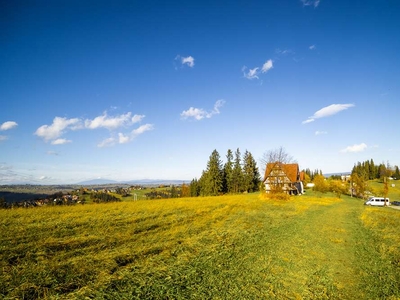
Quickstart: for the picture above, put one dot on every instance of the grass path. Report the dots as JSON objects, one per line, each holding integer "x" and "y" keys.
{"x": 320, "y": 259}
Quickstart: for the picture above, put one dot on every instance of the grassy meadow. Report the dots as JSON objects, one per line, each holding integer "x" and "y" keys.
{"x": 228, "y": 247}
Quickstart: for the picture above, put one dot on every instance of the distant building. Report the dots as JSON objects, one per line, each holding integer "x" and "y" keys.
{"x": 284, "y": 177}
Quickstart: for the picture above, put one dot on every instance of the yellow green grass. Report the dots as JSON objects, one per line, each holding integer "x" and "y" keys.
{"x": 228, "y": 247}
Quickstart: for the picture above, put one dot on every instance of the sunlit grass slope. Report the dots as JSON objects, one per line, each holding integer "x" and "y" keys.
{"x": 228, "y": 247}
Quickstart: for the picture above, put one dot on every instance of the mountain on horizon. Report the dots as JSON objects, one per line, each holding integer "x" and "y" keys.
{"x": 137, "y": 181}
{"x": 335, "y": 174}
{"x": 96, "y": 181}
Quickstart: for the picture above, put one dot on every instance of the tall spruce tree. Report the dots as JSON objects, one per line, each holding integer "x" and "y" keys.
{"x": 211, "y": 181}
{"x": 228, "y": 173}
{"x": 251, "y": 175}
{"x": 237, "y": 181}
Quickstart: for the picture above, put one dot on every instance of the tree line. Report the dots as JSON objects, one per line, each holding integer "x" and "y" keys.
{"x": 368, "y": 170}
{"x": 237, "y": 175}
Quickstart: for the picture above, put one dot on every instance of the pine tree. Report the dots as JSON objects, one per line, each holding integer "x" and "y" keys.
{"x": 211, "y": 184}
{"x": 193, "y": 188}
{"x": 396, "y": 173}
{"x": 228, "y": 173}
{"x": 251, "y": 175}
{"x": 237, "y": 182}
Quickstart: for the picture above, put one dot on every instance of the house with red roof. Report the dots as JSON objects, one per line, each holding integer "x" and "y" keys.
{"x": 286, "y": 178}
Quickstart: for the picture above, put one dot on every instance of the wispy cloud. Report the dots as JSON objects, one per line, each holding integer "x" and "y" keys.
{"x": 142, "y": 129}
{"x": 251, "y": 73}
{"x": 314, "y": 3}
{"x": 57, "y": 128}
{"x": 3, "y": 138}
{"x": 60, "y": 142}
{"x": 61, "y": 126}
{"x": 312, "y": 47}
{"x": 8, "y": 125}
{"x": 111, "y": 123}
{"x": 122, "y": 138}
{"x": 126, "y": 138}
{"x": 355, "y": 148}
{"x": 255, "y": 72}
{"x": 199, "y": 113}
{"x": 189, "y": 60}
{"x": 137, "y": 118}
{"x": 284, "y": 51}
{"x": 107, "y": 142}
{"x": 52, "y": 153}
{"x": 327, "y": 111}
{"x": 267, "y": 66}
{"x": 320, "y": 132}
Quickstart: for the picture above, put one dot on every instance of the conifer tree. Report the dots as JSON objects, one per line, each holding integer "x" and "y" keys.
{"x": 237, "y": 182}
{"x": 211, "y": 184}
{"x": 228, "y": 173}
{"x": 396, "y": 173}
{"x": 251, "y": 175}
{"x": 194, "y": 188}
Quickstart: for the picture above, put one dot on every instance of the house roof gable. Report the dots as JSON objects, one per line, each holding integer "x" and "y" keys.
{"x": 291, "y": 170}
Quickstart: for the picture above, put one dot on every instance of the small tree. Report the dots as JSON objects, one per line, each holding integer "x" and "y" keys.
{"x": 320, "y": 184}
{"x": 194, "y": 188}
{"x": 337, "y": 187}
{"x": 307, "y": 179}
{"x": 359, "y": 185}
{"x": 276, "y": 155}
{"x": 185, "y": 190}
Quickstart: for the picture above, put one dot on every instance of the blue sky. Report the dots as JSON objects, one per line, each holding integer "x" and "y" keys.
{"x": 129, "y": 90}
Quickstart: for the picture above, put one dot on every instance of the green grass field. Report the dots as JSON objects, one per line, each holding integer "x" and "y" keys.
{"x": 227, "y": 247}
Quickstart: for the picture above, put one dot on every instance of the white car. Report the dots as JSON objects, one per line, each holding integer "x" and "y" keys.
{"x": 377, "y": 201}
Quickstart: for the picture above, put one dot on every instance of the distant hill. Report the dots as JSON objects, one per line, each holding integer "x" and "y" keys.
{"x": 96, "y": 181}
{"x": 132, "y": 182}
{"x": 335, "y": 174}
{"x": 156, "y": 181}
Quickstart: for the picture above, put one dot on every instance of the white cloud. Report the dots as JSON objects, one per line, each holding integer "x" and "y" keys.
{"x": 328, "y": 111}
{"x": 251, "y": 74}
{"x": 320, "y": 132}
{"x": 284, "y": 52}
{"x": 142, "y": 129}
{"x": 137, "y": 118}
{"x": 107, "y": 143}
{"x": 122, "y": 139}
{"x": 126, "y": 138}
{"x": 60, "y": 126}
{"x": 55, "y": 130}
{"x": 60, "y": 142}
{"x": 314, "y": 3}
{"x": 111, "y": 123}
{"x": 199, "y": 113}
{"x": 8, "y": 125}
{"x": 188, "y": 60}
{"x": 196, "y": 113}
{"x": 267, "y": 66}
{"x": 312, "y": 47}
{"x": 254, "y": 73}
{"x": 3, "y": 137}
{"x": 355, "y": 148}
